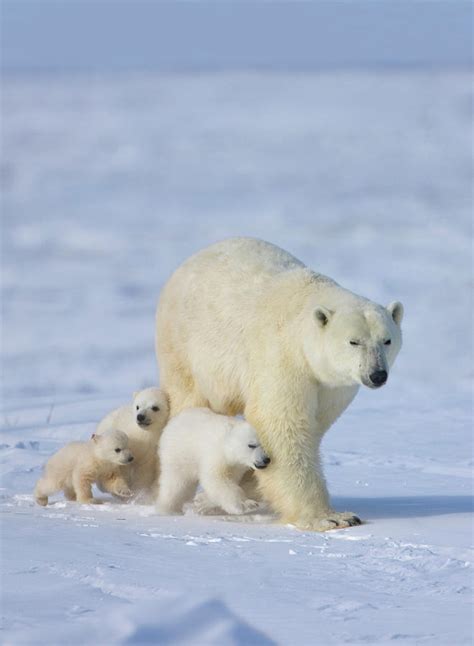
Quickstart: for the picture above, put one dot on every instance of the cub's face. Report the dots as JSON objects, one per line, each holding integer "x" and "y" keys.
{"x": 244, "y": 447}
{"x": 150, "y": 409}
{"x": 112, "y": 446}
{"x": 356, "y": 346}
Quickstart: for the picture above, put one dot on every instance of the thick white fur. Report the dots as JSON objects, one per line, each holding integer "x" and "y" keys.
{"x": 143, "y": 436}
{"x": 78, "y": 465}
{"x": 244, "y": 327}
{"x": 198, "y": 446}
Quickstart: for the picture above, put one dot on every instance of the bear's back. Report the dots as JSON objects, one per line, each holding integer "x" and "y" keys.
{"x": 68, "y": 456}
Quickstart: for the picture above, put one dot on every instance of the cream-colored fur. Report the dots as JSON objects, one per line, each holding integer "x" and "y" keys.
{"x": 78, "y": 465}
{"x": 244, "y": 327}
{"x": 143, "y": 425}
{"x": 198, "y": 446}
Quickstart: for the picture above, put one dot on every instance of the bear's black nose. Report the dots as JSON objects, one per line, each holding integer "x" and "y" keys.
{"x": 379, "y": 377}
{"x": 141, "y": 417}
{"x": 130, "y": 459}
{"x": 266, "y": 460}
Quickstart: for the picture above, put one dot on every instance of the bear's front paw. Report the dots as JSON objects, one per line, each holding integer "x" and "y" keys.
{"x": 90, "y": 501}
{"x": 333, "y": 520}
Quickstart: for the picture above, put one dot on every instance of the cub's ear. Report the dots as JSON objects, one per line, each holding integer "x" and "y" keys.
{"x": 322, "y": 315}
{"x": 395, "y": 309}
{"x": 135, "y": 394}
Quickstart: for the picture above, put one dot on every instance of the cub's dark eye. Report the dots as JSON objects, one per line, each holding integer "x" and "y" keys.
{"x": 354, "y": 342}
{"x": 252, "y": 446}
{"x": 155, "y": 408}
{"x": 388, "y": 342}
{"x": 117, "y": 450}
{"x": 138, "y": 407}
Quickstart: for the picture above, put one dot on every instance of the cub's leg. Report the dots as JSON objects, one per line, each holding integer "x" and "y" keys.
{"x": 174, "y": 490}
{"x": 69, "y": 493}
{"x": 249, "y": 484}
{"x": 228, "y": 495}
{"x": 203, "y": 505}
{"x": 116, "y": 481}
{"x": 44, "y": 487}
{"x": 82, "y": 484}
{"x": 119, "y": 486}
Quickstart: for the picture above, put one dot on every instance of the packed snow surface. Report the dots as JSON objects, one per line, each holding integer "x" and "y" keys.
{"x": 108, "y": 184}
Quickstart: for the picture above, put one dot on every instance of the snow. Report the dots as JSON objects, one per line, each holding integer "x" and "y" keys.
{"x": 108, "y": 183}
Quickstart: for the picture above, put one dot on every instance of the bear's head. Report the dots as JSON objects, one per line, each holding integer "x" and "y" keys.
{"x": 112, "y": 446}
{"x": 150, "y": 409}
{"x": 352, "y": 346}
{"x": 243, "y": 447}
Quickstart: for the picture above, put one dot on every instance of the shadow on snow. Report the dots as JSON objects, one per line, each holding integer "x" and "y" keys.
{"x": 405, "y": 506}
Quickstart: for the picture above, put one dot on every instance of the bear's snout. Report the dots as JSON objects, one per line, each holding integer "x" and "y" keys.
{"x": 142, "y": 420}
{"x": 263, "y": 463}
{"x": 378, "y": 378}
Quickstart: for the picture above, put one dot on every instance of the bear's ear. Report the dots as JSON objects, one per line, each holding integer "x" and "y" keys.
{"x": 322, "y": 315}
{"x": 135, "y": 394}
{"x": 395, "y": 309}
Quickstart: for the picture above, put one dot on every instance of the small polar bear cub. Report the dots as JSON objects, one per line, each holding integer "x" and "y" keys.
{"x": 201, "y": 447}
{"x": 148, "y": 411}
{"x": 142, "y": 420}
{"x": 78, "y": 465}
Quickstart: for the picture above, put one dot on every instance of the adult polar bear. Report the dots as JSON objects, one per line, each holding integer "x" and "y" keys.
{"x": 244, "y": 327}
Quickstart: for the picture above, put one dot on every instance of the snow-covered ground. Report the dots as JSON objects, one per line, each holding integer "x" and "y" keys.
{"x": 107, "y": 184}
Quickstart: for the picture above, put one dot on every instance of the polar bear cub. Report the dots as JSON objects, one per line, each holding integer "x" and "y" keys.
{"x": 201, "y": 447}
{"x": 142, "y": 420}
{"x": 78, "y": 465}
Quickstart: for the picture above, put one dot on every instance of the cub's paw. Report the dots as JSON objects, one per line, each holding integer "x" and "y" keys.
{"x": 239, "y": 508}
{"x": 202, "y": 505}
{"x": 167, "y": 510}
{"x": 123, "y": 492}
{"x": 250, "y": 505}
{"x": 333, "y": 520}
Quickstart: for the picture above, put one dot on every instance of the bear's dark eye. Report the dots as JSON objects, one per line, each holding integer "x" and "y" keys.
{"x": 138, "y": 407}
{"x": 117, "y": 450}
{"x": 155, "y": 408}
{"x": 388, "y": 342}
{"x": 354, "y": 342}
{"x": 252, "y": 446}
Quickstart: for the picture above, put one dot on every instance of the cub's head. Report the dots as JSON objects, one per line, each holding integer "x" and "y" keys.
{"x": 243, "y": 447}
{"x": 112, "y": 446}
{"x": 355, "y": 346}
{"x": 150, "y": 409}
